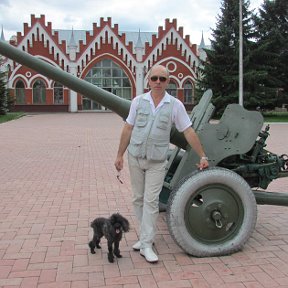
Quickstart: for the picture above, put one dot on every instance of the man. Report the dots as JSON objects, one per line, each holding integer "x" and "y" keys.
{"x": 146, "y": 134}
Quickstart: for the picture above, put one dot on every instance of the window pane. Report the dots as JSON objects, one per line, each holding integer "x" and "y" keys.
{"x": 96, "y": 81}
{"x": 43, "y": 96}
{"x": 188, "y": 92}
{"x": 117, "y": 82}
{"x": 117, "y": 91}
{"x": 106, "y": 63}
{"x": 109, "y": 76}
{"x": 126, "y": 82}
{"x": 172, "y": 89}
{"x": 95, "y": 105}
{"x": 107, "y": 82}
{"x": 20, "y": 92}
{"x": 172, "y": 92}
{"x": 20, "y": 95}
{"x": 86, "y": 104}
{"x": 188, "y": 85}
{"x": 58, "y": 93}
{"x": 20, "y": 84}
{"x": 126, "y": 93}
{"x": 117, "y": 73}
{"x": 172, "y": 85}
{"x": 39, "y": 92}
{"x": 96, "y": 73}
{"x": 106, "y": 72}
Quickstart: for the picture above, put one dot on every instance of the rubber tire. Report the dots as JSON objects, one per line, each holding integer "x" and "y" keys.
{"x": 188, "y": 188}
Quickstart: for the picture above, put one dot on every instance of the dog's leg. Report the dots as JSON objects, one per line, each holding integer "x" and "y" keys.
{"x": 92, "y": 247}
{"x": 94, "y": 243}
{"x": 96, "y": 239}
{"x": 117, "y": 250}
{"x": 97, "y": 243}
{"x": 110, "y": 253}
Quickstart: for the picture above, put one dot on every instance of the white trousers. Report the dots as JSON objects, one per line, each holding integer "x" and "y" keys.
{"x": 147, "y": 179}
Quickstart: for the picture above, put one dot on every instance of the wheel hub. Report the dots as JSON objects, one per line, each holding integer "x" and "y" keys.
{"x": 214, "y": 214}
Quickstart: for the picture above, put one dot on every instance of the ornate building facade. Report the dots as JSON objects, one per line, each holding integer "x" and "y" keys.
{"x": 113, "y": 60}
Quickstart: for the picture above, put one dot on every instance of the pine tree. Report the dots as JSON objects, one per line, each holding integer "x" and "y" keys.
{"x": 272, "y": 37}
{"x": 3, "y": 92}
{"x": 221, "y": 69}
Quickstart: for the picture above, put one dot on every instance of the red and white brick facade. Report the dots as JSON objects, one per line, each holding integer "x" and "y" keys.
{"x": 77, "y": 55}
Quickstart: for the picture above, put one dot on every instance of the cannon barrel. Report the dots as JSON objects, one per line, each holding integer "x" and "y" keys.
{"x": 117, "y": 104}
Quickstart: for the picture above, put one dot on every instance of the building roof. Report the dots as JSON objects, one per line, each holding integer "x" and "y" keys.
{"x": 202, "y": 43}
{"x": 72, "y": 43}
{"x": 65, "y": 35}
{"x": 131, "y": 36}
{"x": 2, "y": 35}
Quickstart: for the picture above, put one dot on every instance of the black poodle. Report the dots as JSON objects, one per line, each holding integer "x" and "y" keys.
{"x": 112, "y": 228}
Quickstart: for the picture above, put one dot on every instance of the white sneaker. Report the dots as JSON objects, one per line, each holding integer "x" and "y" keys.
{"x": 137, "y": 246}
{"x": 149, "y": 255}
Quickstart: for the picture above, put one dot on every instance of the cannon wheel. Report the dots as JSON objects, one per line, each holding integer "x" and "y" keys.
{"x": 211, "y": 212}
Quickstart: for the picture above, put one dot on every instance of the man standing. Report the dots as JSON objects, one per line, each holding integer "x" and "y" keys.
{"x": 146, "y": 134}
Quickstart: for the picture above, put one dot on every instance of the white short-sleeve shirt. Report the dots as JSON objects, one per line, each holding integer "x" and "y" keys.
{"x": 179, "y": 115}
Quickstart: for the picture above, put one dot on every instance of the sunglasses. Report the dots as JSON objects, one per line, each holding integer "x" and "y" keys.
{"x": 155, "y": 78}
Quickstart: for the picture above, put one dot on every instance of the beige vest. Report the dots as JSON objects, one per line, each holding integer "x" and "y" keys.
{"x": 151, "y": 133}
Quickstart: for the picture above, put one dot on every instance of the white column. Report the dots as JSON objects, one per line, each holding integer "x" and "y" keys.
{"x": 139, "y": 79}
{"x": 73, "y": 107}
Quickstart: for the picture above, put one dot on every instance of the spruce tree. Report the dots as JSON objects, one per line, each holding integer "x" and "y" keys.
{"x": 271, "y": 25}
{"x": 220, "y": 71}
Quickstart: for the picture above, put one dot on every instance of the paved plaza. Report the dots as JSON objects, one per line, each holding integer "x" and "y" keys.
{"x": 57, "y": 174}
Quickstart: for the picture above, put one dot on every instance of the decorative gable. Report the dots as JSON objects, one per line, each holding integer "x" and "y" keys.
{"x": 170, "y": 36}
{"x": 105, "y": 36}
{"x": 39, "y": 38}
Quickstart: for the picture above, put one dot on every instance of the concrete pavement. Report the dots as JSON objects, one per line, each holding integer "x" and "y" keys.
{"x": 57, "y": 174}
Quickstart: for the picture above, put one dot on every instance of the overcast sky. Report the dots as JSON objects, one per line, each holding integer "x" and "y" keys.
{"x": 131, "y": 15}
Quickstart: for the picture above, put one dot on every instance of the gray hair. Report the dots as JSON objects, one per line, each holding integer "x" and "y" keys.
{"x": 162, "y": 66}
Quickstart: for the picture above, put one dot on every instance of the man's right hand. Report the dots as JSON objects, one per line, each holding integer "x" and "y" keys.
{"x": 119, "y": 163}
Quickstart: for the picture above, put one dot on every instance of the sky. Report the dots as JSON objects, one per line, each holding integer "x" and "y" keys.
{"x": 194, "y": 16}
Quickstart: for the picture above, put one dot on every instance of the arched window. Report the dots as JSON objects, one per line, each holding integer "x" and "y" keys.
{"x": 20, "y": 92}
{"x": 39, "y": 92}
{"x": 188, "y": 92}
{"x": 172, "y": 89}
{"x": 58, "y": 93}
{"x": 111, "y": 77}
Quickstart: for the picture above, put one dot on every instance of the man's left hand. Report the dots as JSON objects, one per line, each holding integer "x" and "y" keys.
{"x": 203, "y": 164}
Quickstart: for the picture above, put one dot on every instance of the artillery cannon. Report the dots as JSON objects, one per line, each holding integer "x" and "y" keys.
{"x": 211, "y": 212}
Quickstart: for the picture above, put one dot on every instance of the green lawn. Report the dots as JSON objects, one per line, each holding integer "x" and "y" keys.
{"x": 276, "y": 119}
{"x": 10, "y": 116}
{"x": 275, "y": 116}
